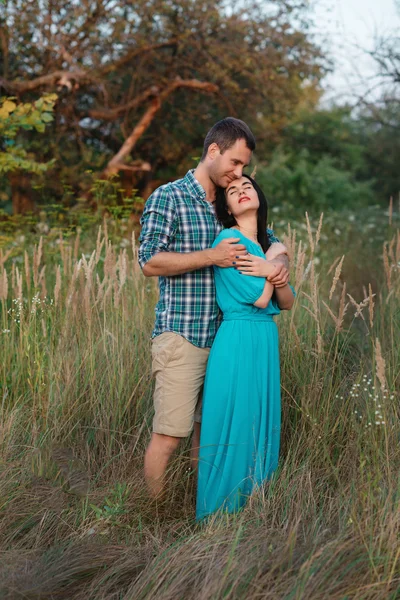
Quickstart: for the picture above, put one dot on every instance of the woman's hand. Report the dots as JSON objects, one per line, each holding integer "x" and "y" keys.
{"x": 256, "y": 266}
{"x": 276, "y": 272}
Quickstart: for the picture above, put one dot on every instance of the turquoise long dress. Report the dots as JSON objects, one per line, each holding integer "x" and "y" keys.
{"x": 240, "y": 429}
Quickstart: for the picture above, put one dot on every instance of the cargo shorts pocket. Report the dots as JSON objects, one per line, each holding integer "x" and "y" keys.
{"x": 163, "y": 349}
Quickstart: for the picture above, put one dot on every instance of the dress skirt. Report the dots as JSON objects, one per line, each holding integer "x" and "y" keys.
{"x": 240, "y": 432}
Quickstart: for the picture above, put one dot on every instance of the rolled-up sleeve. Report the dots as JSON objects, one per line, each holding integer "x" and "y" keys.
{"x": 272, "y": 237}
{"x": 157, "y": 223}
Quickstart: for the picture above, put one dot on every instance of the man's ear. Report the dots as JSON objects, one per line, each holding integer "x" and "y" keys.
{"x": 213, "y": 150}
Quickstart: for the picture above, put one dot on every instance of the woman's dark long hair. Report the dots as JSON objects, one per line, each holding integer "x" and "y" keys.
{"x": 228, "y": 220}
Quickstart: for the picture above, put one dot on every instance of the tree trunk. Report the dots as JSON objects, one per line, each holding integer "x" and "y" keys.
{"x": 21, "y": 193}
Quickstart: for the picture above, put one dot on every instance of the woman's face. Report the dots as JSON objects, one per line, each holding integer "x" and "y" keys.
{"x": 241, "y": 197}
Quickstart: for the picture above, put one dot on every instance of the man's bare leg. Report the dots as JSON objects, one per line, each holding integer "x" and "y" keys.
{"x": 194, "y": 451}
{"x": 156, "y": 460}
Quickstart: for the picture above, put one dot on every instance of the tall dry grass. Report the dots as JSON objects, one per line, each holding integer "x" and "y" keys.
{"x": 76, "y": 390}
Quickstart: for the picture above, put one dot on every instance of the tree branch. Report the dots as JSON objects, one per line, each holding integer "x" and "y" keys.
{"x": 117, "y": 162}
{"x": 63, "y": 77}
{"x": 110, "y": 114}
{"x": 133, "y": 54}
{"x": 55, "y": 78}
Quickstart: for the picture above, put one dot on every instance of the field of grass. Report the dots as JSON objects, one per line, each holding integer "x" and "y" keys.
{"x": 76, "y": 411}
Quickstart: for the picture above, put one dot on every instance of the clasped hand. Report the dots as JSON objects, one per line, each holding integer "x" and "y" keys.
{"x": 231, "y": 253}
{"x": 274, "y": 271}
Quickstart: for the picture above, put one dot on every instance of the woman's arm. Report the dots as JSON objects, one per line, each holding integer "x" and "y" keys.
{"x": 284, "y": 297}
{"x": 263, "y": 300}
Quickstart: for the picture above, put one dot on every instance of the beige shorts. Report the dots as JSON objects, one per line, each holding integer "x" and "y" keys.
{"x": 179, "y": 368}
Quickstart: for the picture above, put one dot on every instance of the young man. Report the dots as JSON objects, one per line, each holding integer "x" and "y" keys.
{"x": 178, "y": 228}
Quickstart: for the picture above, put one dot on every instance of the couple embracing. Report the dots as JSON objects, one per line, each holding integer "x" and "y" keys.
{"x": 222, "y": 278}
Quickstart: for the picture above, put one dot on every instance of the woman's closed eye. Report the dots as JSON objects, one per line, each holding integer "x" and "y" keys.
{"x": 234, "y": 190}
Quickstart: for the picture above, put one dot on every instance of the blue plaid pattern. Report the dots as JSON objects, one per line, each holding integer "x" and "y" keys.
{"x": 178, "y": 218}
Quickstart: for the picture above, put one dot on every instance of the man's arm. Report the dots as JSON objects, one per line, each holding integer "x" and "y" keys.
{"x": 281, "y": 259}
{"x": 277, "y": 255}
{"x": 168, "y": 264}
{"x": 158, "y": 229}
{"x": 281, "y": 277}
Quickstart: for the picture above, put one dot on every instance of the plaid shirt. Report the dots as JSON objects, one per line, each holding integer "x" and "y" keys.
{"x": 178, "y": 218}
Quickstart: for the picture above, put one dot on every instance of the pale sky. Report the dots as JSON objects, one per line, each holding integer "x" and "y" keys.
{"x": 348, "y": 26}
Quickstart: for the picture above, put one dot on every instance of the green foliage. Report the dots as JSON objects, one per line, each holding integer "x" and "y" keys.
{"x": 334, "y": 158}
{"x": 16, "y": 118}
{"x": 114, "y": 505}
{"x": 365, "y": 145}
{"x": 319, "y": 185}
{"x": 334, "y": 133}
{"x": 26, "y": 116}
{"x": 381, "y": 144}
{"x": 266, "y": 69}
{"x": 255, "y": 61}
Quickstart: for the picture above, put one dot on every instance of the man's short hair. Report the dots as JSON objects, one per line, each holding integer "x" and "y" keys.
{"x": 226, "y": 132}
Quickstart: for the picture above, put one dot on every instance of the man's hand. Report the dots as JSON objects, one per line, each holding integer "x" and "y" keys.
{"x": 228, "y": 252}
{"x": 281, "y": 276}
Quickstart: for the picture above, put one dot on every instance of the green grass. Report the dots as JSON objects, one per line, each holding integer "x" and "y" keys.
{"x": 76, "y": 411}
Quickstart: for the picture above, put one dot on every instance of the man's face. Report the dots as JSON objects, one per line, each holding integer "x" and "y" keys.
{"x": 224, "y": 168}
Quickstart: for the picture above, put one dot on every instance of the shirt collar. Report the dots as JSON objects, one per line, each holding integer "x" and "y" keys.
{"x": 195, "y": 188}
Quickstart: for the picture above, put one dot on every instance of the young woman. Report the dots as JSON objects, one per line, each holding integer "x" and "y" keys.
{"x": 240, "y": 431}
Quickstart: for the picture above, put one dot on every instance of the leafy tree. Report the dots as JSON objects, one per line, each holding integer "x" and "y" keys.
{"x": 335, "y": 133}
{"x": 337, "y": 157}
{"x": 380, "y": 118}
{"x": 381, "y": 136}
{"x": 14, "y": 158}
{"x": 26, "y": 116}
{"x": 312, "y": 184}
{"x": 140, "y": 83}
